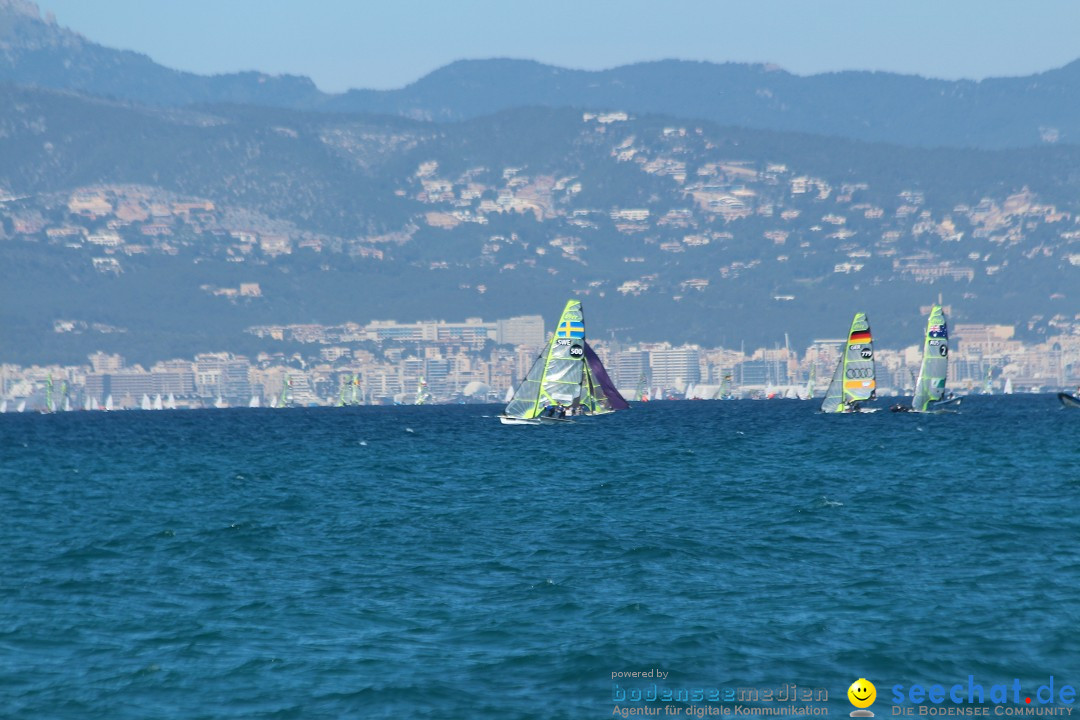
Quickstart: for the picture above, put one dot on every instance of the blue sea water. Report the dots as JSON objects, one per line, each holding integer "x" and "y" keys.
{"x": 430, "y": 562}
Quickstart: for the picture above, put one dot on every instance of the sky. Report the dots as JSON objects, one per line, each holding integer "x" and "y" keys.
{"x": 383, "y": 44}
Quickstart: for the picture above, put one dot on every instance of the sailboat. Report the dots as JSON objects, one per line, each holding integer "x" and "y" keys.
{"x": 50, "y": 406}
{"x": 159, "y": 404}
{"x": 170, "y": 402}
{"x": 1008, "y": 387}
{"x": 988, "y": 384}
{"x": 108, "y": 403}
{"x": 21, "y": 406}
{"x": 641, "y": 393}
{"x": 725, "y": 389}
{"x": 930, "y": 386}
{"x": 220, "y": 403}
{"x": 422, "y": 395}
{"x": 254, "y": 402}
{"x": 286, "y": 394}
{"x": 810, "y": 382}
{"x": 145, "y": 402}
{"x": 853, "y": 381}
{"x": 567, "y": 374}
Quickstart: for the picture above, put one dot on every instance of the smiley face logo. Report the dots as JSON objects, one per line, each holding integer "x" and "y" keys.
{"x": 862, "y": 694}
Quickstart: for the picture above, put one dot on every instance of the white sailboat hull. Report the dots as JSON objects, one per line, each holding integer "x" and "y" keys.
{"x": 505, "y": 420}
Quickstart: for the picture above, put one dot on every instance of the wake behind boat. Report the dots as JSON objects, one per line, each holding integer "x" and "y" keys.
{"x": 566, "y": 378}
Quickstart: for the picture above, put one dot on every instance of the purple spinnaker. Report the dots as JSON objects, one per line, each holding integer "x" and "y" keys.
{"x": 615, "y": 400}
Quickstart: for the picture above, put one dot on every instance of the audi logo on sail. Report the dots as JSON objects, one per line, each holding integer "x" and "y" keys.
{"x": 856, "y": 373}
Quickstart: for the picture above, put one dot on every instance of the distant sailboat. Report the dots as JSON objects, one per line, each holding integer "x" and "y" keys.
{"x": 254, "y": 402}
{"x": 170, "y": 402}
{"x": 853, "y": 381}
{"x": 145, "y": 404}
{"x": 810, "y": 382}
{"x": 567, "y": 374}
{"x": 286, "y": 393}
{"x": 1008, "y": 386}
{"x": 220, "y": 403}
{"x": 556, "y": 374}
{"x": 641, "y": 393}
{"x": 988, "y": 383}
{"x": 108, "y": 404}
{"x": 930, "y": 386}
{"x": 21, "y": 406}
{"x": 3, "y": 406}
{"x": 159, "y": 404}
{"x": 725, "y": 392}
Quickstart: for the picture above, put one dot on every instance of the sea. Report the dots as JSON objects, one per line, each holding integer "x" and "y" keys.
{"x": 429, "y": 562}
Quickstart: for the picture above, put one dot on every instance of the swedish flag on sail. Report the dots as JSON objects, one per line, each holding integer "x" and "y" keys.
{"x": 571, "y": 329}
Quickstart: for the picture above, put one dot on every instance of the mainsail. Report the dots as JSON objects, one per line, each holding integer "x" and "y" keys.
{"x": 556, "y": 375}
{"x": 853, "y": 380}
{"x": 930, "y": 387}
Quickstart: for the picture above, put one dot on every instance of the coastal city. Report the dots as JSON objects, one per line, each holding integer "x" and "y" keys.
{"x": 477, "y": 361}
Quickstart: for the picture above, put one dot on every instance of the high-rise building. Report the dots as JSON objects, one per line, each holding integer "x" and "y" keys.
{"x": 675, "y": 367}
{"x": 523, "y": 330}
{"x": 628, "y": 366}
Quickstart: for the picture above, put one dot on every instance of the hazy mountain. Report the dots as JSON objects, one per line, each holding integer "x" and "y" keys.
{"x": 36, "y": 51}
{"x": 667, "y": 229}
{"x": 873, "y": 106}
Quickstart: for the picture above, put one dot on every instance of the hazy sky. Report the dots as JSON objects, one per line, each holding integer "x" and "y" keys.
{"x": 390, "y": 43}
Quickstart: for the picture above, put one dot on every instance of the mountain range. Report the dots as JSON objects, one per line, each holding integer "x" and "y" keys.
{"x": 872, "y": 106}
{"x": 682, "y": 201}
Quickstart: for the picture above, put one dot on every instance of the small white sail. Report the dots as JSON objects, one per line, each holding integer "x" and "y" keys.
{"x": 254, "y": 402}
{"x": 145, "y": 403}
{"x": 1008, "y": 386}
{"x": 158, "y": 403}
{"x": 108, "y": 404}
{"x": 220, "y": 402}
{"x": 21, "y": 407}
{"x": 170, "y": 402}
{"x": 3, "y": 406}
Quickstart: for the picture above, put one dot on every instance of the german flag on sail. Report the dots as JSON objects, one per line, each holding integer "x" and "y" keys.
{"x": 571, "y": 329}
{"x": 860, "y": 336}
